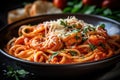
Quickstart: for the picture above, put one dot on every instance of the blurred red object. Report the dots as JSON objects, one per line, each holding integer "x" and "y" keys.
{"x": 60, "y": 3}
{"x": 112, "y": 4}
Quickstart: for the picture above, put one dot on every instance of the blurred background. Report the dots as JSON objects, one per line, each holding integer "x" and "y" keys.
{"x": 106, "y": 8}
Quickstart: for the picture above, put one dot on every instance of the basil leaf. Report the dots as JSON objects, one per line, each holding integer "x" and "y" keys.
{"x": 16, "y": 73}
{"x": 99, "y": 10}
{"x": 67, "y": 9}
{"x": 107, "y": 12}
{"x": 16, "y": 77}
{"x": 88, "y": 9}
{"x": 79, "y": 5}
{"x": 75, "y": 10}
{"x": 76, "y": 7}
{"x": 22, "y": 73}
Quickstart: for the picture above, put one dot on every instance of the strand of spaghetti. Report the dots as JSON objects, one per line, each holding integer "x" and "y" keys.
{"x": 19, "y": 40}
{"x": 114, "y": 43}
{"x": 40, "y": 56}
{"x": 29, "y": 31}
{"x": 25, "y": 54}
{"x": 13, "y": 48}
{"x": 10, "y": 43}
{"x": 19, "y": 49}
{"x": 85, "y": 59}
{"x": 30, "y": 58}
{"x": 68, "y": 52}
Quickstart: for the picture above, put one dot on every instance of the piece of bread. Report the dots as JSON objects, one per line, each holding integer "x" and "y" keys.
{"x": 16, "y": 14}
{"x": 27, "y": 8}
{"x": 38, "y": 7}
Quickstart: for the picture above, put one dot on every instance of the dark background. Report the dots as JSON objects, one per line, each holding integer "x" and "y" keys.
{"x": 112, "y": 73}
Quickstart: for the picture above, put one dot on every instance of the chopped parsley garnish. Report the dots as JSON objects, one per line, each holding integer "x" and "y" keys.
{"x": 71, "y": 26}
{"x": 88, "y": 28}
{"x": 53, "y": 55}
{"x": 91, "y": 28}
{"x": 85, "y": 30}
{"x": 92, "y": 47}
{"x": 73, "y": 53}
{"x": 27, "y": 30}
{"x": 63, "y": 23}
{"x": 102, "y": 45}
{"x": 76, "y": 30}
{"x": 83, "y": 56}
{"x": 74, "y": 25}
{"x": 77, "y": 37}
{"x": 102, "y": 26}
{"x": 84, "y": 39}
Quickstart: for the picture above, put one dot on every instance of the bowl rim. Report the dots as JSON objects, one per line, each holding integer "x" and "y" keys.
{"x": 60, "y": 65}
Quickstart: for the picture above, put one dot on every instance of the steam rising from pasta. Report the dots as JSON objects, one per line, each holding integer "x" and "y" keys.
{"x": 63, "y": 41}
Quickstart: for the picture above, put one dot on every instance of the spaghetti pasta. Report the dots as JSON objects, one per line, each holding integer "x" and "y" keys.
{"x": 63, "y": 41}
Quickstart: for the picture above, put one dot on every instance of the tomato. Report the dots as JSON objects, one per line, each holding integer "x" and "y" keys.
{"x": 113, "y": 4}
{"x": 87, "y": 2}
{"x": 60, "y": 3}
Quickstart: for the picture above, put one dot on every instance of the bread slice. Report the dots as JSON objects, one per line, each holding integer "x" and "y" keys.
{"x": 40, "y": 7}
{"x": 27, "y": 8}
{"x": 16, "y": 14}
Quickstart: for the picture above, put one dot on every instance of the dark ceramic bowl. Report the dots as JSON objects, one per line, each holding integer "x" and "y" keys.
{"x": 10, "y": 30}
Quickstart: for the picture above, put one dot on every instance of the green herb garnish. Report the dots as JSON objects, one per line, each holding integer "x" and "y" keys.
{"x": 102, "y": 45}
{"x": 53, "y": 55}
{"x": 102, "y": 26}
{"x": 63, "y": 23}
{"x": 76, "y": 6}
{"x": 71, "y": 26}
{"x": 92, "y": 47}
{"x": 88, "y": 28}
{"x": 84, "y": 39}
{"x": 16, "y": 73}
{"x": 85, "y": 30}
{"x": 91, "y": 28}
{"x": 76, "y": 30}
{"x": 73, "y": 53}
{"x": 77, "y": 37}
{"x": 27, "y": 30}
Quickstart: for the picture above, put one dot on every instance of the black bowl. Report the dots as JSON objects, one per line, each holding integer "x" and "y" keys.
{"x": 10, "y": 30}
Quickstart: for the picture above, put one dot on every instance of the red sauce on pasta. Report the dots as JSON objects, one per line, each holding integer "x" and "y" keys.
{"x": 63, "y": 41}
